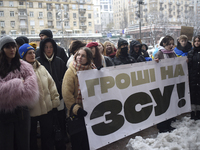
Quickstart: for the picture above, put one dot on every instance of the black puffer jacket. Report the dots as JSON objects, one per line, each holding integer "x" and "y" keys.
{"x": 194, "y": 75}
{"x": 108, "y": 61}
{"x": 140, "y": 56}
{"x": 56, "y": 67}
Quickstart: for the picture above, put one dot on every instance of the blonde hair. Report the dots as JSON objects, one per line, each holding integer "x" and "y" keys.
{"x": 104, "y": 44}
{"x": 183, "y": 37}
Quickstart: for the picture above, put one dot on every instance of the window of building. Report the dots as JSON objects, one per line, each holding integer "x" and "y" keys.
{"x": 64, "y": 0}
{"x": 50, "y": 23}
{"x": 32, "y": 23}
{"x": 22, "y": 13}
{"x": 88, "y": 0}
{"x": 32, "y": 31}
{"x": 105, "y": 7}
{"x": 39, "y": 5}
{"x": 66, "y": 15}
{"x": 2, "y": 23}
{"x": 89, "y": 16}
{"x": 58, "y": 24}
{"x": 41, "y": 14}
{"x": 66, "y": 23}
{"x": 12, "y": 24}
{"x": 41, "y": 22}
{"x": 65, "y": 6}
{"x": 57, "y": 6}
{"x": 49, "y": 15}
{"x": 74, "y": 15}
{"x": 11, "y": 4}
{"x": 81, "y": 6}
{"x": 89, "y": 7}
{"x": 21, "y": 3}
{"x": 89, "y": 23}
{"x": 1, "y": 3}
{"x": 31, "y": 14}
{"x": 49, "y": 7}
{"x": 12, "y": 13}
{"x": 30, "y": 4}
{"x": 73, "y": 6}
{"x": 97, "y": 15}
{"x": 1, "y": 13}
{"x": 74, "y": 23}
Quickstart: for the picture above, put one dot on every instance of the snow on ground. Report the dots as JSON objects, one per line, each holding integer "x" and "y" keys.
{"x": 186, "y": 136}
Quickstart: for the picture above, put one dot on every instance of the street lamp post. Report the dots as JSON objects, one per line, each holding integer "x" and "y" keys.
{"x": 140, "y": 2}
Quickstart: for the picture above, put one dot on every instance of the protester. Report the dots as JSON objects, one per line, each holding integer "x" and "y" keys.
{"x": 46, "y": 33}
{"x": 137, "y": 53}
{"x": 72, "y": 94}
{"x": 122, "y": 56}
{"x": 74, "y": 47}
{"x": 18, "y": 91}
{"x": 109, "y": 50}
{"x": 165, "y": 50}
{"x": 183, "y": 46}
{"x": 101, "y": 48}
{"x": 19, "y": 41}
{"x": 144, "y": 47}
{"x": 56, "y": 67}
{"x": 194, "y": 77}
{"x": 98, "y": 59}
{"x": 26, "y": 40}
{"x": 49, "y": 99}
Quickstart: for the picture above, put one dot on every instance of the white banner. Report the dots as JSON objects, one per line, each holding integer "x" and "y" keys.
{"x": 125, "y": 99}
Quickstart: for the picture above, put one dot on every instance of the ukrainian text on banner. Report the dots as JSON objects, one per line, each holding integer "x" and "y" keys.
{"x": 123, "y": 100}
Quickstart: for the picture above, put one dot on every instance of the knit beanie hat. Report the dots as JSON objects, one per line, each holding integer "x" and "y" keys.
{"x": 92, "y": 44}
{"x": 34, "y": 45}
{"x": 19, "y": 41}
{"x": 47, "y": 32}
{"x": 5, "y": 40}
{"x": 24, "y": 49}
{"x": 26, "y": 40}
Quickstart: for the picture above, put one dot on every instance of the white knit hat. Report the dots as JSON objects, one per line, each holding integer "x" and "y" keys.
{"x": 6, "y": 39}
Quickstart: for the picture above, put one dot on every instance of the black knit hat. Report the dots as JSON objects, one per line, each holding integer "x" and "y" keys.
{"x": 121, "y": 42}
{"x": 26, "y": 40}
{"x": 47, "y": 32}
{"x": 19, "y": 41}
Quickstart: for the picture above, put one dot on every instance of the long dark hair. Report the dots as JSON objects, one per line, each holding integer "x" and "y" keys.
{"x": 88, "y": 53}
{"x": 5, "y": 67}
{"x": 97, "y": 58}
{"x": 197, "y": 36}
{"x": 166, "y": 40}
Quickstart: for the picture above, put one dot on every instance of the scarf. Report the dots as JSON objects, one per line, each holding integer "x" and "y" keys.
{"x": 49, "y": 59}
{"x": 80, "y": 67}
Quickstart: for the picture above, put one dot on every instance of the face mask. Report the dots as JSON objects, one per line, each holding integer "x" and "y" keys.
{"x": 124, "y": 51}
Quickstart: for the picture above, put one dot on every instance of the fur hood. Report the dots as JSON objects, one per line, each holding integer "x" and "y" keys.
{"x": 19, "y": 88}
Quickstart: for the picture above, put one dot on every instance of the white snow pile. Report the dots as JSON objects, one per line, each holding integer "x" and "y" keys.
{"x": 186, "y": 136}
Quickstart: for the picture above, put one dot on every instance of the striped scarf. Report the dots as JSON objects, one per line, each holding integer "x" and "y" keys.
{"x": 80, "y": 67}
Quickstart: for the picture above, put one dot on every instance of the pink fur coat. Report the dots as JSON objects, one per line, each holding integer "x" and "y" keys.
{"x": 19, "y": 88}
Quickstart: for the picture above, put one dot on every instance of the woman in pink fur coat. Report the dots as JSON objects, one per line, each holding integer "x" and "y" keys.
{"x": 18, "y": 91}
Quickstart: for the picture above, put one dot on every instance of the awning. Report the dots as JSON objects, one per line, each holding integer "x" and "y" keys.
{"x": 77, "y": 29}
{"x": 13, "y": 30}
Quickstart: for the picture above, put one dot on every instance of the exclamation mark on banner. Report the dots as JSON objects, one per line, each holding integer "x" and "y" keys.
{"x": 181, "y": 94}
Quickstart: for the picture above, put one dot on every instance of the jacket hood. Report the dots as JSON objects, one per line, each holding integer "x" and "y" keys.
{"x": 132, "y": 44}
{"x": 160, "y": 48}
{"x": 121, "y": 42}
{"x": 42, "y": 44}
{"x": 145, "y": 46}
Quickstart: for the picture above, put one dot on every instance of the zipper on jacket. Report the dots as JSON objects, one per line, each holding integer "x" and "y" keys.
{"x": 50, "y": 67}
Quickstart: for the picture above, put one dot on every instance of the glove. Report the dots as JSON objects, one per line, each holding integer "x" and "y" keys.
{"x": 99, "y": 67}
{"x": 81, "y": 113}
{"x": 141, "y": 58}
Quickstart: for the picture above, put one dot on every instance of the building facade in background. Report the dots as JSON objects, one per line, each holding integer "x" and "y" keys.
{"x": 61, "y": 16}
{"x": 106, "y": 7}
{"x": 97, "y": 16}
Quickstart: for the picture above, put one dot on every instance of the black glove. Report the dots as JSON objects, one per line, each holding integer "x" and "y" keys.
{"x": 141, "y": 58}
{"x": 81, "y": 112}
{"x": 99, "y": 67}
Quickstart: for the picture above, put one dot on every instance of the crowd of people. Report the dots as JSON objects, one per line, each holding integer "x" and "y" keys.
{"x": 39, "y": 84}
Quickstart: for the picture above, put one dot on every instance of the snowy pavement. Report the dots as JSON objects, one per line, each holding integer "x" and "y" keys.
{"x": 186, "y": 136}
